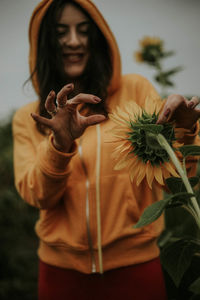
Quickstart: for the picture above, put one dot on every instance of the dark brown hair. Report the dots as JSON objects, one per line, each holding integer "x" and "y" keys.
{"x": 49, "y": 70}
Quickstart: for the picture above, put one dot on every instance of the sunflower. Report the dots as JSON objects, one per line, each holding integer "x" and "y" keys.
{"x": 151, "y": 49}
{"x": 147, "y": 41}
{"x": 138, "y": 149}
{"x": 138, "y": 56}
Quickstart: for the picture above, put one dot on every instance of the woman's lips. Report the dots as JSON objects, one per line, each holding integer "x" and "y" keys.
{"x": 73, "y": 57}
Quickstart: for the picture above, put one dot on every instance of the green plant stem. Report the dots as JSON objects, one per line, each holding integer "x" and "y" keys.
{"x": 160, "y": 74}
{"x": 195, "y": 207}
{"x": 184, "y": 166}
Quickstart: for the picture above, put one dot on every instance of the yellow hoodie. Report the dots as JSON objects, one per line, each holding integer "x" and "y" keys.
{"x": 86, "y": 208}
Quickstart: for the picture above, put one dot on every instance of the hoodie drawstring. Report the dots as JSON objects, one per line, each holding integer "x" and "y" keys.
{"x": 98, "y": 203}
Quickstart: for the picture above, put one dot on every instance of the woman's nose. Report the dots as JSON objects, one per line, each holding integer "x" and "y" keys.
{"x": 73, "y": 39}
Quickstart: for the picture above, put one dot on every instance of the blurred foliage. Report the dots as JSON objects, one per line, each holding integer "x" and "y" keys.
{"x": 179, "y": 243}
{"x": 152, "y": 53}
{"x": 18, "y": 258}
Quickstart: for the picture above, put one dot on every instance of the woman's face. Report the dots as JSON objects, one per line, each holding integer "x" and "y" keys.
{"x": 72, "y": 31}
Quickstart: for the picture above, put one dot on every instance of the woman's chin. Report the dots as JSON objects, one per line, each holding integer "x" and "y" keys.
{"x": 74, "y": 74}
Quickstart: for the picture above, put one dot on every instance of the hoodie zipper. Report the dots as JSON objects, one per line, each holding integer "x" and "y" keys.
{"x": 87, "y": 211}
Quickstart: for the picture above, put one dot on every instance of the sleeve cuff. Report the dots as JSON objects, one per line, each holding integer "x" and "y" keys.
{"x": 53, "y": 161}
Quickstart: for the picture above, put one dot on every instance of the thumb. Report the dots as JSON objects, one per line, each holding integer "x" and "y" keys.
{"x": 41, "y": 120}
{"x": 93, "y": 120}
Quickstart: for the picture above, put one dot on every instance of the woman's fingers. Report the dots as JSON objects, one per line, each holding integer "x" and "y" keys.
{"x": 194, "y": 102}
{"x": 42, "y": 120}
{"x": 62, "y": 100}
{"x": 180, "y": 110}
{"x": 50, "y": 105}
{"x": 67, "y": 117}
{"x": 94, "y": 119}
{"x": 62, "y": 95}
{"x": 171, "y": 105}
{"x": 84, "y": 98}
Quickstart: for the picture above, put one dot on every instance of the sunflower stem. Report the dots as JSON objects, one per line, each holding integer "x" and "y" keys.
{"x": 195, "y": 210}
{"x": 184, "y": 166}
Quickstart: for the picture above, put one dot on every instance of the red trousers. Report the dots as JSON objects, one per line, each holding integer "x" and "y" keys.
{"x": 139, "y": 282}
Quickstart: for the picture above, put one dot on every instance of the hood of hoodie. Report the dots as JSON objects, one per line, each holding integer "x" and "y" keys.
{"x": 95, "y": 14}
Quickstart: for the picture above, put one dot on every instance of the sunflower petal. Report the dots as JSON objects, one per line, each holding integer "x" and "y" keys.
{"x": 158, "y": 174}
{"x": 165, "y": 172}
{"x": 156, "y": 107}
{"x": 149, "y": 174}
{"x": 115, "y": 118}
{"x": 141, "y": 173}
{"x": 171, "y": 170}
{"x": 124, "y": 148}
{"x": 120, "y": 165}
{"x": 135, "y": 165}
{"x": 123, "y": 162}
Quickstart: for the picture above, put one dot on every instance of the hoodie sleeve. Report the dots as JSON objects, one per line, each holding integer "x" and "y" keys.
{"x": 40, "y": 170}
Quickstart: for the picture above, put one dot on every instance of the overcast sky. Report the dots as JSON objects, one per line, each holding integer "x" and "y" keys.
{"x": 177, "y": 22}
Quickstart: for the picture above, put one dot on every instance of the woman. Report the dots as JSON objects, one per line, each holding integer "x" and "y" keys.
{"x": 88, "y": 248}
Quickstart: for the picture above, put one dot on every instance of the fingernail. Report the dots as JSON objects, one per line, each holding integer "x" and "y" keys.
{"x": 191, "y": 103}
{"x": 51, "y": 92}
{"x": 166, "y": 113}
{"x": 70, "y": 85}
{"x": 97, "y": 99}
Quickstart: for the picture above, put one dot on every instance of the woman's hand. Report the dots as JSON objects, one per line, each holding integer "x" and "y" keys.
{"x": 67, "y": 123}
{"x": 183, "y": 112}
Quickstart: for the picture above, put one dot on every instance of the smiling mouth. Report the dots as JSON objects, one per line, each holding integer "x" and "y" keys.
{"x": 73, "y": 57}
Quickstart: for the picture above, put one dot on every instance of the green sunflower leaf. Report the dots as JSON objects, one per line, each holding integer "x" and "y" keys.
{"x": 168, "y": 53}
{"x": 177, "y": 256}
{"x": 154, "y": 211}
{"x": 190, "y": 150}
{"x": 181, "y": 199}
{"x": 176, "y": 184}
{"x": 164, "y": 80}
{"x": 151, "y": 213}
{"x": 172, "y": 71}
